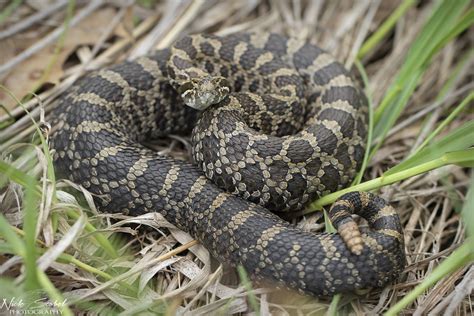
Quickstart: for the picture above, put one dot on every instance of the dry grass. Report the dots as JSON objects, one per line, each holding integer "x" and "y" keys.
{"x": 103, "y": 266}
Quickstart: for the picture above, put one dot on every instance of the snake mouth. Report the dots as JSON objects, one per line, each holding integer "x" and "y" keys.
{"x": 200, "y": 93}
{"x": 200, "y": 100}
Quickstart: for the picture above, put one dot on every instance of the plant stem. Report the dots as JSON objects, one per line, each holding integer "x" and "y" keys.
{"x": 462, "y": 156}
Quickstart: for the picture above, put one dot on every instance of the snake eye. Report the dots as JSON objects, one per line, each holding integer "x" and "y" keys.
{"x": 185, "y": 87}
{"x": 222, "y": 82}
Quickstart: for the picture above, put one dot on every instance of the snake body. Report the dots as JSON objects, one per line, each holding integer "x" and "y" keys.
{"x": 282, "y": 123}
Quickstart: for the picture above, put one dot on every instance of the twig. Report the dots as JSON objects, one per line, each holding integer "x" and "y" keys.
{"x": 32, "y": 19}
{"x": 463, "y": 289}
{"x": 173, "y": 10}
{"x": 348, "y": 23}
{"x": 97, "y": 46}
{"x": 362, "y": 33}
{"x": 30, "y": 51}
{"x": 169, "y": 26}
{"x": 185, "y": 19}
{"x": 133, "y": 271}
{"x": 415, "y": 117}
{"x": 261, "y": 22}
{"x": 57, "y": 90}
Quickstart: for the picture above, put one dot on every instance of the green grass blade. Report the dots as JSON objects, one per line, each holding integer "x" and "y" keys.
{"x": 448, "y": 120}
{"x": 332, "y": 310}
{"x": 460, "y": 138}
{"x": 464, "y": 62}
{"x": 440, "y": 23}
{"x": 9, "y": 9}
{"x": 467, "y": 212}
{"x": 13, "y": 241}
{"x": 462, "y": 158}
{"x": 386, "y": 119}
{"x": 452, "y": 80}
{"x": 30, "y": 203}
{"x": 54, "y": 295}
{"x": 99, "y": 238}
{"x": 370, "y": 128}
{"x": 386, "y": 27}
{"x": 244, "y": 279}
{"x": 9, "y": 290}
{"x": 18, "y": 176}
{"x": 9, "y": 118}
{"x": 464, "y": 23}
{"x": 456, "y": 260}
{"x": 444, "y": 23}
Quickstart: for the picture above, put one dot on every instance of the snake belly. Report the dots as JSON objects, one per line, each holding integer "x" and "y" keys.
{"x": 102, "y": 121}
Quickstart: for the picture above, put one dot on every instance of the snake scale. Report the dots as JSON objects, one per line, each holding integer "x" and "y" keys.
{"x": 277, "y": 122}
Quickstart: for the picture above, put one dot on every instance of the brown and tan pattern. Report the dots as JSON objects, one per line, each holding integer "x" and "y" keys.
{"x": 276, "y": 121}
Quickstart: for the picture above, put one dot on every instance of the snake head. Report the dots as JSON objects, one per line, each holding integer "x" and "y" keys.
{"x": 200, "y": 93}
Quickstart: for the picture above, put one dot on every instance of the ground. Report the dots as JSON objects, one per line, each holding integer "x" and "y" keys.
{"x": 413, "y": 58}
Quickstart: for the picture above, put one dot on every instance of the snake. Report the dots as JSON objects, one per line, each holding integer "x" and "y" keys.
{"x": 275, "y": 122}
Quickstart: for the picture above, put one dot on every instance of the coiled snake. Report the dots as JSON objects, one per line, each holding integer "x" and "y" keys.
{"x": 284, "y": 124}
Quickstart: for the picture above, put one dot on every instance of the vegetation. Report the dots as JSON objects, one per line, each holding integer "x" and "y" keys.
{"x": 415, "y": 61}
